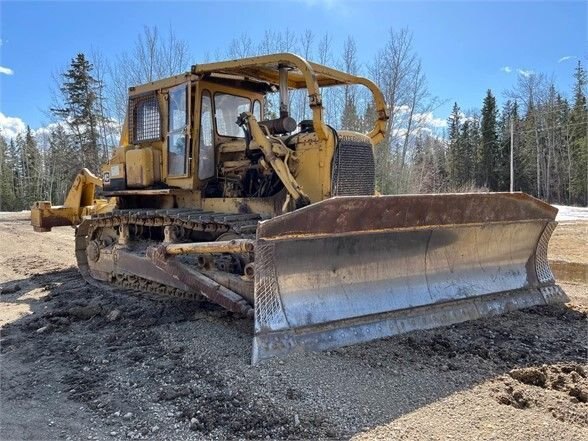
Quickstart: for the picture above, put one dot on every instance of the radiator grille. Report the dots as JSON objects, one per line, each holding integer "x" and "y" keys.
{"x": 353, "y": 167}
{"x": 144, "y": 118}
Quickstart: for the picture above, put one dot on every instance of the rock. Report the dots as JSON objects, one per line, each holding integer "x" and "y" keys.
{"x": 172, "y": 393}
{"x": 128, "y": 415}
{"x": 42, "y": 330}
{"x": 296, "y": 420}
{"x": 113, "y": 433}
{"x": 579, "y": 394}
{"x": 113, "y": 315}
{"x": 193, "y": 424}
{"x": 116, "y": 414}
{"x": 10, "y": 289}
{"x": 60, "y": 321}
{"x": 154, "y": 429}
{"x": 84, "y": 312}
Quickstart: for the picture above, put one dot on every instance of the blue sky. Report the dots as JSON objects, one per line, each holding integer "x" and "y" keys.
{"x": 465, "y": 47}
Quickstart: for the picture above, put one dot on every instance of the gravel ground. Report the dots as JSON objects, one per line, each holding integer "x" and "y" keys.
{"x": 78, "y": 362}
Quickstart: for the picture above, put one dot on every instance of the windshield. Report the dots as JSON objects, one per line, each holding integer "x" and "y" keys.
{"x": 227, "y": 109}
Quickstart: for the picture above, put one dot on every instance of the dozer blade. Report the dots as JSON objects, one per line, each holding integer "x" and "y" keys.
{"x": 353, "y": 269}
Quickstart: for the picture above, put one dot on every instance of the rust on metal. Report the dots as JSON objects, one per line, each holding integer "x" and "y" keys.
{"x": 350, "y": 214}
{"x": 205, "y": 286}
{"x": 238, "y": 246}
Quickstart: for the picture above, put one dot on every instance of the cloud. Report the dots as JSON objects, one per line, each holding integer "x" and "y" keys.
{"x": 430, "y": 120}
{"x": 525, "y": 72}
{"x": 566, "y": 58}
{"x": 6, "y": 70}
{"x": 10, "y": 126}
{"x": 402, "y": 109}
{"x": 506, "y": 69}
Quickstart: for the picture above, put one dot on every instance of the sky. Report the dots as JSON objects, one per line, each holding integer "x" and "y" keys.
{"x": 465, "y": 47}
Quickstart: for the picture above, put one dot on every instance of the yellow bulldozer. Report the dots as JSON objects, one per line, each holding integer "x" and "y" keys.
{"x": 279, "y": 220}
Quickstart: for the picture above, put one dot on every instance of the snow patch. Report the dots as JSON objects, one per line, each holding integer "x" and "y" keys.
{"x": 567, "y": 213}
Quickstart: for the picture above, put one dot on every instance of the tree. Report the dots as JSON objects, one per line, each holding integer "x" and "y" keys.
{"x": 453, "y": 146}
{"x": 350, "y": 119}
{"x": 529, "y": 93}
{"x": 154, "y": 56}
{"x": 579, "y": 140}
{"x": 501, "y": 156}
{"x": 31, "y": 169}
{"x": 59, "y": 174}
{"x": 8, "y": 198}
{"x": 487, "y": 155}
{"x": 80, "y": 110}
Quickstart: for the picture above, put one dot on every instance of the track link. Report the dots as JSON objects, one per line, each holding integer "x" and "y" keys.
{"x": 184, "y": 221}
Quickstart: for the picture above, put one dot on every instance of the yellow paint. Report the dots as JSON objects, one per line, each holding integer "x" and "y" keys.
{"x": 305, "y": 170}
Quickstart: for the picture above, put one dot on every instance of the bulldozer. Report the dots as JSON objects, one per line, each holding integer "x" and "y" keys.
{"x": 210, "y": 197}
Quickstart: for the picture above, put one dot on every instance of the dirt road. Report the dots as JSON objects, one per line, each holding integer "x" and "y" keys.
{"x": 82, "y": 363}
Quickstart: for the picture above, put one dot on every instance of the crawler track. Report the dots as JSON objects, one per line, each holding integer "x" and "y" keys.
{"x": 139, "y": 220}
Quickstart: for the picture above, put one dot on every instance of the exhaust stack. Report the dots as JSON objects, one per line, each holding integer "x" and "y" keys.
{"x": 284, "y": 102}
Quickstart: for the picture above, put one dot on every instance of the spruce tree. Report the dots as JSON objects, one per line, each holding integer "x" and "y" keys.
{"x": 350, "y": 119}
{"x": 454, "y": 154}
{"x": 579, "y": 141}
{"x": 31, "y": 169}
{"x": 487, "y": 155}
{"x": 80, "y": 111}
{"x": 467, "y": 150}
{"x": 501, "y": 157}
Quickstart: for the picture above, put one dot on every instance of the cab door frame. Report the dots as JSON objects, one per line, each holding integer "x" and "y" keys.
{"x": 184, "y": 131}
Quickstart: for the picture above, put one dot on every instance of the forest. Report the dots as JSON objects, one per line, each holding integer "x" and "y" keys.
{"x": 470, "y": 151}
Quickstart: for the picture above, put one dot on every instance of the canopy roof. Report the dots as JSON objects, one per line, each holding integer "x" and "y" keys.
{"x": 265, "y": 68}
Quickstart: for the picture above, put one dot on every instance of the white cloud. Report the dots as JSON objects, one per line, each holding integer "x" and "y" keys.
{"x": 566, "y": 58}
{"x": 6, "y": 70}
{"x": 430, "y": 120}
{"x": 525, "y": 72}
{"x": 506, "y": 69}
{"x": 10, "y": 126}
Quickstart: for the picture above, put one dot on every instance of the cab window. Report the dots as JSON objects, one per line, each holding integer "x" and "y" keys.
{"x": 227, "y": 109}
{"x": 257, "y": 110}
{"x": 177, "y": 139}
{"x": 206, "y": 156}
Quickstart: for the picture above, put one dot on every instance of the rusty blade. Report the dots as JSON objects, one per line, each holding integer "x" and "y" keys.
{"x": 349, "y": 214}
{"x": 353, "y": 269}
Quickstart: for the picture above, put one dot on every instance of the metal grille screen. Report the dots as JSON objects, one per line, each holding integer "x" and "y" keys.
{"x": 145, "y": 120}
{"x": 353, "y": 169}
